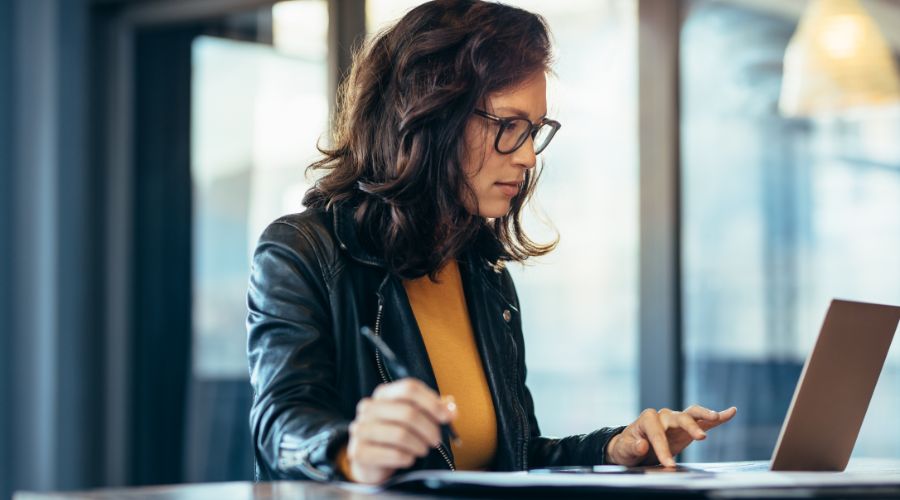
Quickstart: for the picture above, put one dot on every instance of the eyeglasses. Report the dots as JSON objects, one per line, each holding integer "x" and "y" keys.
{"x": 514, "y": 132}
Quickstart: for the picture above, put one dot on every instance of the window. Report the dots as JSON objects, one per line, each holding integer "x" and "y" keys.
{"x": 258, "y": 114}
{"x": 779, "y": 217}
{"x": 258, "y": 111}
{"x": 579, "y": 303}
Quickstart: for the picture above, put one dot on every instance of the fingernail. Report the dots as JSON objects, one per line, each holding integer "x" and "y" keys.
{"x": 449, "y": 404}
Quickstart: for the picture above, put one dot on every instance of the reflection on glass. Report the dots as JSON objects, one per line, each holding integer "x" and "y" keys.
{"x": 780, "y": 216}
{"x": 580, "y": 302}
{"x": 257, "y": 116}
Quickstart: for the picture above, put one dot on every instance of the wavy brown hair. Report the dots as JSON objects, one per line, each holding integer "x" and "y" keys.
{"x": 399, "y": 133}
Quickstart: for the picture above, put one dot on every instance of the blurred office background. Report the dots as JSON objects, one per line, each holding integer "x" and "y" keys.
{"x": 704, "y": 227}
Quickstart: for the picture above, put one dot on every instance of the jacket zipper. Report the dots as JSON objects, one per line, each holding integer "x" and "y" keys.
{"x": 440, "y": 449}
{"x": 378, "y": 361}
{"x": 292, "y": 456}
{"x": 386, "y": 379}
{"x": 520, "y": 412}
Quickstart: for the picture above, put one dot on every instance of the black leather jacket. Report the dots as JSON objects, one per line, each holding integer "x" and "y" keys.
{"x": 312, "y": 287}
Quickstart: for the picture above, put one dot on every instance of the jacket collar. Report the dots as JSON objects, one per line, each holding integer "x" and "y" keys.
{"x": 484, "y": 253}
{"x": 345, "y": 231}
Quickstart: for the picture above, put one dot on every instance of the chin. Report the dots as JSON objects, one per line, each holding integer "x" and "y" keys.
{"x": 494, "y": 210}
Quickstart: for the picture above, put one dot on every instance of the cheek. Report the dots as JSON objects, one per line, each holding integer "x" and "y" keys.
{"x": 482, "y": 166}
{"x": 487, "y": 174}
{"x": 475, "y": 181}
{"x": 474, "y": 155}
{"x": 482, "y": 174}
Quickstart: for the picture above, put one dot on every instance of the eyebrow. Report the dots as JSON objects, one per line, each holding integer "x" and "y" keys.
{"x": 518, "y": 112}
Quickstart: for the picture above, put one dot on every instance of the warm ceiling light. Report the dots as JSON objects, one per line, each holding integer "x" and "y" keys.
{"x": 837, "y": 60}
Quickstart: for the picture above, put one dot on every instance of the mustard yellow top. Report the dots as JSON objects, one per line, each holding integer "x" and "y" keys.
{"x": 443, "y": 318}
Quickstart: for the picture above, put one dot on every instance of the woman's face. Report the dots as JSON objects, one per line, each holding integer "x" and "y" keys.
{"x": 496, "y": 178}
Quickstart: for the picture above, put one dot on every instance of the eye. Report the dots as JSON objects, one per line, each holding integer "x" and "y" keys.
{"x": 516, "y": 127}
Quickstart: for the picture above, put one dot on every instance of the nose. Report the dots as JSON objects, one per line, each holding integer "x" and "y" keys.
{"x": 524, "y": 156}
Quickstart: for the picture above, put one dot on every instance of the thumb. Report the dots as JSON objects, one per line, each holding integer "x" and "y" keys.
{"x": 640, "y": 447}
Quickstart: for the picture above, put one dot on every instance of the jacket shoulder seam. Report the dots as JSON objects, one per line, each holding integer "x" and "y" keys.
{"x": 328, "y": 270}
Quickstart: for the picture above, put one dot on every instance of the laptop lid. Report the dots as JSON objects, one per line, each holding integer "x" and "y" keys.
{"x": 835, "y": 387}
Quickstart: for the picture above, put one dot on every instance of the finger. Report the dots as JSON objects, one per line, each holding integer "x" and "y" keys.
{"x": 632, "y": 450}
{"x": 640, "y": 447}
{"x": 722, "y": 417}
{"x": 701, "y": 413}
{"x": 689, "y": 425}
{"x": 651, "y": 426}
{"x": 390, "y": 434}
{"x": 416, "y": 392}
{"x": 368, "y": 474}
{"x": 625, "y": 448}
{"x": 367, "y": 454}
{"x": 403, "y": 413}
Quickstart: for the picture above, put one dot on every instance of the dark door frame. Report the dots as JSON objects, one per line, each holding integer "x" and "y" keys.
{"x": 660, "y": 359}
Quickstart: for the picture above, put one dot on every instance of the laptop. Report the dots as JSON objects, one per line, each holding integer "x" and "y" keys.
{"x": 833, "y": 393}
{"x": 830, "y": 400}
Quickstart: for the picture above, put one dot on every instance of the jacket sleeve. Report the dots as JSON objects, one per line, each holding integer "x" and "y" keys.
{"x": 296, "y": 426}
{"x": 579, "y": 449}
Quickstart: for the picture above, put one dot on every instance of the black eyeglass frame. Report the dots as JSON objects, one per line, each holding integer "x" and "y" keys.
{"x": 532, "y": 130}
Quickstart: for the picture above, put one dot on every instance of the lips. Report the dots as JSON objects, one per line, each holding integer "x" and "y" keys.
{"x": 509, "y": 188}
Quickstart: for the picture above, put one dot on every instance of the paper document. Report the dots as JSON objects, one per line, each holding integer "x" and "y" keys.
{"x": 861, "y": 474}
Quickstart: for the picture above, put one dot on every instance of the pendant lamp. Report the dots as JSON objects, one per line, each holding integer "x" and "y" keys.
{"x": 837, "y": 60}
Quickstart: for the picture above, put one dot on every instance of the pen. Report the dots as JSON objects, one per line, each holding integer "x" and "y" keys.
{"x": 400, "y": 370}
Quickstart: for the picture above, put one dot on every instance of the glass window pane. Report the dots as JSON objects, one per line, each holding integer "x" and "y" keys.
{"x": 258, "y": 113}
{"x": 780, "y": 216}
{"x": 580, "y": 302}
{"x": 382, "y": 13}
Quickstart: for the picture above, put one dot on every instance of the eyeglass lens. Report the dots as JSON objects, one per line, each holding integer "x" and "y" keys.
{"x": 516, "y": 133}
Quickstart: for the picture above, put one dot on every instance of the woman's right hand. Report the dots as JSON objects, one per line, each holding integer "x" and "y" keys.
{"x": 399, "y": 423}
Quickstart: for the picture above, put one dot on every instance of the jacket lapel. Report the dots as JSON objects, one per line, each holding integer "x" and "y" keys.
{"x": 401, "y": 332}
{"x": 498, "y": 358}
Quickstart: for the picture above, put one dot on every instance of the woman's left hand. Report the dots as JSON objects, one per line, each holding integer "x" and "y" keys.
{"x": 657, "y": 436}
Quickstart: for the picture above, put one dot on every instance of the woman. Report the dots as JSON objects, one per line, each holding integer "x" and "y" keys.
{"x": 407, "y": 232}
